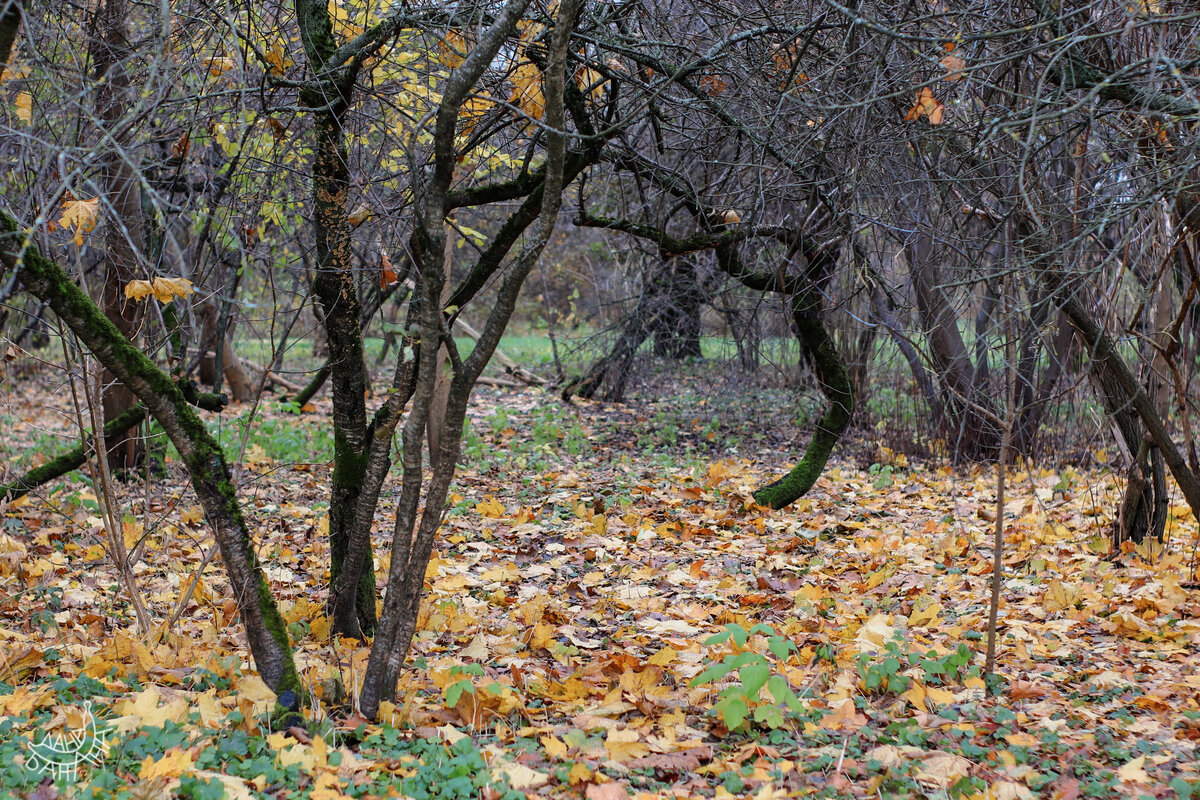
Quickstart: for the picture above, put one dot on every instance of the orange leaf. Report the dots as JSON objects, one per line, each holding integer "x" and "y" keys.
{"x": 712, "y": 84}
{"x": 926, "y": 105}
{"x": 954, "y": 66}
{"x": 452, "y": 49}
{"x": 387, "y": 275}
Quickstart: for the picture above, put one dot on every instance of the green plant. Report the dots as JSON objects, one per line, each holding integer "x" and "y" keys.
{"x": 885, "y": 673}
{"x": 455, "y": 689}
{"x": 499, "y": 421}
{"x": 742, "y": 700}
{"x": 883, "y": 475}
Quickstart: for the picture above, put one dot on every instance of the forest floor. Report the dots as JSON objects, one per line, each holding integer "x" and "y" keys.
{"x": 608, "y": 615}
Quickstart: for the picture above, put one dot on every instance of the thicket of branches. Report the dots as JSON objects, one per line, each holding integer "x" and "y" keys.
{"x": 1003, "y": 195}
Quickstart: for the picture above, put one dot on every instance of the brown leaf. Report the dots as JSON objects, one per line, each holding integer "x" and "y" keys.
{"x": 607, "y": 791}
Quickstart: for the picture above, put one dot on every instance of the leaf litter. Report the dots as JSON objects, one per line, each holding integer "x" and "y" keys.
{"x": 609, "y": 615}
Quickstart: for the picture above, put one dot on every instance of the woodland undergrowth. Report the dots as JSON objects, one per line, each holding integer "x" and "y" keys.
{"x": 608, "y": 615}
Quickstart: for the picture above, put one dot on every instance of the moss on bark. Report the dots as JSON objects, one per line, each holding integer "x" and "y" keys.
{"x": 205, "y": 460}
{"x": 71, "y": 460}
{"x": 837, "y": 388}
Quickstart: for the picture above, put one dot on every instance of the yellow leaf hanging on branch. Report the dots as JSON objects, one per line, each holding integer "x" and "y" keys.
{"x": 527, "y": 89}
{"x": 80, "y": 216}
{"x": 452, "y": 49}
{"x": 164, "y": 289}
{"x": 278, "y": 60}
{"x": 472, "y": 111}
{"x": 24, "y": 107}
{"x": 590, "y": 82}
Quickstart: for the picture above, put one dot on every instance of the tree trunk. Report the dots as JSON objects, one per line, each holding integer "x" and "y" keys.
{"x": 609, "y": 377}
{"x": 677, "y": 325}
{"x": 970, "y": 431}
{"x": 838, "y": 390}
{"x": 124, "y": 239}
{"x": 199, "y": 451}
{"x": 413, "y": 537}
{"x": 336, "y": 291}
{"x": 1126, "y": 400}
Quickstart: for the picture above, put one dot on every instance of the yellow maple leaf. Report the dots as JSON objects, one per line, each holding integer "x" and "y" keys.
{"x": 131, "y": 532}
{"x": 320, "y": 628}
{"x": 80, "y": 216}
{"x": 174, "y": 763}
{"x": 625, "y": 745}
{"x": 167, "y": 289}
{"x": 143, "y": 710}
{"x": 327, "y": 788}
{"x": 555, "y": 747}
{"x": 1133, "y": 772}
{"x": 527, "y": 89}
{"x": 278, "y": 59}
{"x": 662, "y": 657}
{"x": 255, "y": 690}
{"x": 490, "y": 507}
{"x": 24, "y": 699}
{"x": 219, "y": 65}
{"x": 473, "y": 110}
{"x": 343, "y": 26}
{"x": 590, "y": 82}
{"x": 925, "y": 617}
{"x": 138, "y": 290}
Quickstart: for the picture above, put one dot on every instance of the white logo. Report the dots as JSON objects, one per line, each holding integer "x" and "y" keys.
{"x": 61, "y": 754}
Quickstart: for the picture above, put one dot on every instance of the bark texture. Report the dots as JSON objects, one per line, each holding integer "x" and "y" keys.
{"x": 124, "y": 237}
{"x": 335, "y": 289}
{"x": 838, "y": 389}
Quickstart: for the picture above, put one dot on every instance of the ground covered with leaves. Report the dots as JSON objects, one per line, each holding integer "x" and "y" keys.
{"x": 609, "y": 615}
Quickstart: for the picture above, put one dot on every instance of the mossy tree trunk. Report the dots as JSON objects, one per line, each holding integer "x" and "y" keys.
{"x": 199, "y": 451}
{"x": 71, "y": 460}
{"x": 838, "y": 389}
{"x": 805, "y": 290}
{"x": 337, "y": 292}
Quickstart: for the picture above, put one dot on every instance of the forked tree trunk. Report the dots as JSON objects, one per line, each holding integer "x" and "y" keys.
{"x": 414, "y": 534}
